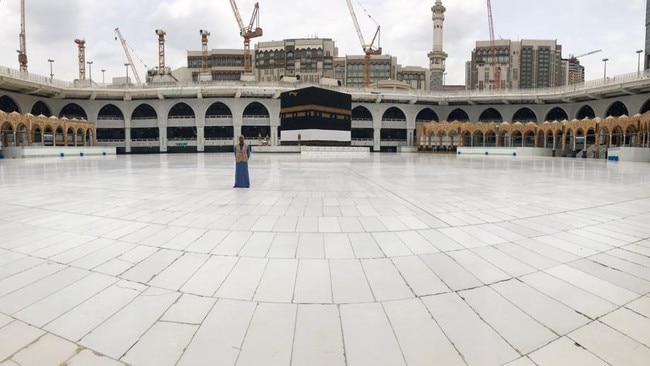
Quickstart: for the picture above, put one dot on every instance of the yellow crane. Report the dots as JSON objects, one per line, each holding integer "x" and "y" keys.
{"x": 247, "y": 32}
{"x": 369, "y": 49}
{"x": 204, "y": 49}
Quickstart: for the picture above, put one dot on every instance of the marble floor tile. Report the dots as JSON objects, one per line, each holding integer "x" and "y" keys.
{"x": 47, "y": 350}
{"x": 520, "y": 330}
{"x": 421, "y": 339}
{"x": 606, "y": 290}
{"x": 368, "y": 336}
{"x": 131, "y": 322}
{"x": 556, "y": 316}
{"x": 386, "y": 259}
{"x": 278, "y": 281}
{"x": 270, "y": 336}
{"x": 16, "y": 335}
{"x": 318, "y": 339}
{"x": 577, "y": 298}
{"x": 630, "y": 323}
{"x": 476, "y": 341}
{"x": 218, "y": 340}
{"x": 610, "y": 345}
{"x": 349, "y": 282}
{"x": 455, "y": 276}
{"x": 161, "y": 345}
{"x": 565, "y": 352}
{"x": 479, "y": 267}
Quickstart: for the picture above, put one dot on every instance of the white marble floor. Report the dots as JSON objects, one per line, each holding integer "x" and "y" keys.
{"x": 390, "y": 259}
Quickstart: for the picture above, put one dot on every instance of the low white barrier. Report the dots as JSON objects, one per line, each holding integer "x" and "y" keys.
{"x": 21, "y": 152}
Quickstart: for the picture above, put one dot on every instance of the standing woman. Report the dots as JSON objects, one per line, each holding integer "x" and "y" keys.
{"x": 242, "y": 153}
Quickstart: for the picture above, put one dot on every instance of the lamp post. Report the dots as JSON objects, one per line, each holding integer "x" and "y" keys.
{"x": 90, "y": 71}
{"x": 638, "y": 62}
{"x": 126, "y": 65}
{"x": 605, "y": 69}
{"x": 103, "y": 80}
{"x": 51, "y": 72}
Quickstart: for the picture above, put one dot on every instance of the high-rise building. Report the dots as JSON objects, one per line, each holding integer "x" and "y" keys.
{"x": 572, "y": 72}
{"x": 306, "y": 59}
{"x": 525, "y": 64}
{"x": 222, "y": 65}
{"x": 350, "y": 69}
{"x": 437, "y": 56}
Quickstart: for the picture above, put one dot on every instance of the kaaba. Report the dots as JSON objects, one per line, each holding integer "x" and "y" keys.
{"x": 315, "y": 116}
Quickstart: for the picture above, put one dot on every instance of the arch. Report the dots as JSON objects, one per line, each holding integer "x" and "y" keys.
{"x": 8, "y": 105}
{"x": 256, "y": 109}
{"x": 586, "y": 112}
{"x": 110, "y": 111}
{"x": 21, "y": 135}
{"x": 7, "y": 134}
{"x": 393, "y": 113}
{"x": 617, "y": 109}
{"x": 361, "y": 113}
{"x": 524, "y": 115}
{"x": 37, "y": 132}
{"x": 144, "y": 111}
{"x": 426, "y": 115}
{"x": 181, "y": 109}
{"x": 40, "y": 108}
{"x": 556, "y": 114}
{"x": 490, "y": 115}
{"x": 73, "y": 110}
{"x": 458, "y": 115}
{"x": 645, "y": 107}
{"x": 218, "y": 109}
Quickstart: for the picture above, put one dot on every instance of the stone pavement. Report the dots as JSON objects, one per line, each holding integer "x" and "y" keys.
{"x": 388, "y": 259}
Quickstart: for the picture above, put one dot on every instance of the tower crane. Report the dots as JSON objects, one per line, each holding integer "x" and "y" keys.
{"x": 128, "y": 55}
{"x": 584, "y": 54}
{"x": 22, "y": 53}
{"x": 368, "y": 48}
{"x": 161, "y": 51}
{"x": 247, "y": 32}
{"x": 496, "y": 69}
{"x": 204, "y": 49}
{"x": 81, "y": 44}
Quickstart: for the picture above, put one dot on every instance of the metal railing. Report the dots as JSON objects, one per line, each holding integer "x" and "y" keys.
{"x": 272, "y": 88}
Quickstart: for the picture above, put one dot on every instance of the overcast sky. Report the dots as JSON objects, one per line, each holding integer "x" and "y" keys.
{"x": 580, "y": 26}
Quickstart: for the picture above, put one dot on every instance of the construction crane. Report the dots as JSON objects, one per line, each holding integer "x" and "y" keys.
{"x": 204, "y": 49}
{"x": 248, "y": 32}
{"x": 161, "y": 51}
{"x": 585, "y": 54}
{"x": 22, "y": 53}
{"x": 496, "y": 69}
{"x": 369, "y": 49}
{"x": 128, "y": 55}
{"x": 81, "y": 45}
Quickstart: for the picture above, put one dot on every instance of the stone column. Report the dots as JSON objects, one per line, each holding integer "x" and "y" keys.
{"x": 127, "y": 134}
{"x": 376, "y": 139}
{"x": 200, "y": 133}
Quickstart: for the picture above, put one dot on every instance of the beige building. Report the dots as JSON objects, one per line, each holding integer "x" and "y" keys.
{"x": 572, "y": 71}
{"x": 306, "y": 59}
{"x": 525, "y": 64}
{"x": 222, "y": 65}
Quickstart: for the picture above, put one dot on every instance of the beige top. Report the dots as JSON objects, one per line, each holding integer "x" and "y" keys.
{"x": 241, "y": 153}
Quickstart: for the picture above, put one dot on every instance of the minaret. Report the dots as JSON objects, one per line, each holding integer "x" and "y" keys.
{"x": 437, "y": 57}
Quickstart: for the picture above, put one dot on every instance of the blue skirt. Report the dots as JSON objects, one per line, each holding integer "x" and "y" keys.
{"x": 242, "y": 179}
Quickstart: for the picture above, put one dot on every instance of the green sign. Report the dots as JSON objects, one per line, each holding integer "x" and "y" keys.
{"x": 181, "y": 144}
